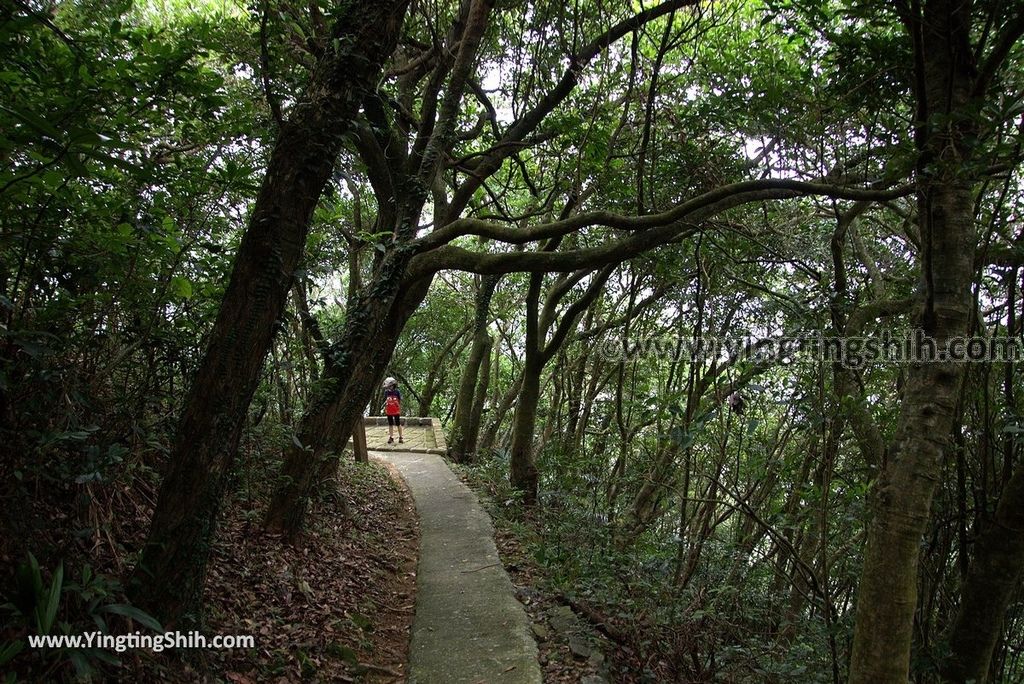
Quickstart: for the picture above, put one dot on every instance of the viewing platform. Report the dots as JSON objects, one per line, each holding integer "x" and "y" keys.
{"x": 421, "y": 435}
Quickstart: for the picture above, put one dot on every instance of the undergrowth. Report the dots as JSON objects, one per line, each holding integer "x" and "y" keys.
{"x": 706, "y": 629}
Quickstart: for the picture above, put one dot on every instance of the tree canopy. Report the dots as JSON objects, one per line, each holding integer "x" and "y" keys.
{"x": 222, "y": 224}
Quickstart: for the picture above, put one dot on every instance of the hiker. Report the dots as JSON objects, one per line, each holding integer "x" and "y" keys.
{"x": 393, "y": 409}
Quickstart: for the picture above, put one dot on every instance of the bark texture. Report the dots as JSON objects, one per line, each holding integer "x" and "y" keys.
{"x": 902, "y": 497}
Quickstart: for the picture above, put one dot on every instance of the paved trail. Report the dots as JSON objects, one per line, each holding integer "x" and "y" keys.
{"x": 468, "y": 627}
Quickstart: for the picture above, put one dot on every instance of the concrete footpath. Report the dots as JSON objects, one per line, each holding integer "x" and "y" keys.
{"x": 468, "y": 627}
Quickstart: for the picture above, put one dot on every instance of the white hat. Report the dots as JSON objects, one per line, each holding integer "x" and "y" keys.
{"x": 388, "y": 382}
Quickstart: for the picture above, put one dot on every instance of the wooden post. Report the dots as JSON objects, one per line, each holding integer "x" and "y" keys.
{"x": 359, "y": 442}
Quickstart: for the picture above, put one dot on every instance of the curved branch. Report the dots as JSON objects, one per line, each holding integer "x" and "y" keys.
{"x": 457, "y": 258}
{"x": 648, "y": 232}
{"x": 570, "y": 317}
{"x": 529, "y": 121}
{"x": 883, "y": 308}
{"x": 443, "y": 132}
{"x": 555, "y": 295}
{"x": 712, "y": 202}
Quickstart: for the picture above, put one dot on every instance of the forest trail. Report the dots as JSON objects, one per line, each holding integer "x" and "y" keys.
{"x": 468, "y": 627}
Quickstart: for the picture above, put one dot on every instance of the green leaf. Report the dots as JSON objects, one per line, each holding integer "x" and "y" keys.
{"x": 83, "y": 669}
{"x": 345, "y": 653}
{"x": 683, "y": 439}
{"x": 9, "y": 650}
{"x": 29, "y": 587}
{"x": 104, "y": 656}
{"x": 362, "y": 622}
{"x": 140, "y": 616}
{"x": 83, "y": 136}
{"x": 115, "y": 161}
{"x": 75, "y": 164}
{"x": 45, "y": 618}
{"x": 752, "y": 425}
{"x": 33, "y": 120}
{"x": 182, "y": 287}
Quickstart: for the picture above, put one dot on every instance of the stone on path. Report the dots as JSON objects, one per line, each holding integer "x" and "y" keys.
{"x": 579, "y": 647}
{"x": 468, "y": 626}
{"x": 563, "y": 620}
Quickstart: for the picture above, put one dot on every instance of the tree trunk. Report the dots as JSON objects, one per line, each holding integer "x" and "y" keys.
{"x": 433, "y": 383}
{"x": 646, "y": 505}
{"x": 575, "y": 400}
{"x": 903, "y": 494}
{"x": 359, "y": 360}
{"x": 169, "y": 579}
{"x": 476, "y": 416}
{"x": 523, "y": 474}
{"x": 359, "y": 442}
{"x": 994, "y": 575}
{"x": 467, "y": 391}
{"x": 498, "y": 413}
{"x": 471, "y": 373}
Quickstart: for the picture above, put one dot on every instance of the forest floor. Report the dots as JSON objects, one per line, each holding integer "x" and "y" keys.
{"x": 337, "y": 607}
{"x": 340, "y": 604}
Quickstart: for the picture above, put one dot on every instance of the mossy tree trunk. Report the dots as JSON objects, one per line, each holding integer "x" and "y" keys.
{"x": 476, "y": 415}
{"x": 949, "y": 90}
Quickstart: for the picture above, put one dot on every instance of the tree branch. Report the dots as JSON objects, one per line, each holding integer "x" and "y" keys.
{"x": 444, "y": 129}
{"x": 716, "y": 200}
{"x": 1012, "y": 32}
{"x": 575, "y": 310}
{"x": 529, "y": 121}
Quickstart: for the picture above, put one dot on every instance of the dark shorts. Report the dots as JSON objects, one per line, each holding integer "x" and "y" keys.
{"x": 393, "y": 420}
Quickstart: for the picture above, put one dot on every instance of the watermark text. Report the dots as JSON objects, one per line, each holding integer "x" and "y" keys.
{"x": 816, "y": 347}
{"x": 138, "y": 640}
